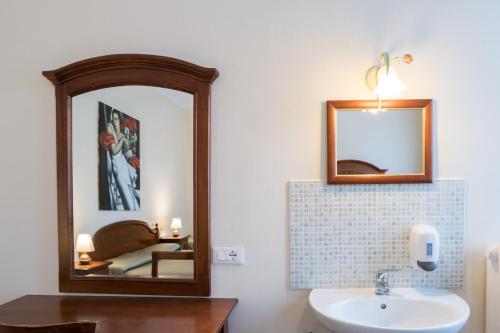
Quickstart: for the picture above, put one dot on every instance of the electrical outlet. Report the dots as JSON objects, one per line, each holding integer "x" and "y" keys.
{"x": 231, "y": 255}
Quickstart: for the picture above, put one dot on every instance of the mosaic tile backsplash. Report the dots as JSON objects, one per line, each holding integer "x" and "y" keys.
{"x": 340, "y": 235}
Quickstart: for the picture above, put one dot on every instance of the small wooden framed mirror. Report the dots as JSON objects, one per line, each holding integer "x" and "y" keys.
{"x": 368, "y": 143}
{"x": 133, "y": 170}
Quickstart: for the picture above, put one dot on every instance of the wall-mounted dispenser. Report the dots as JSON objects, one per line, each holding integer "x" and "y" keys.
{"x": 424, "y": 247}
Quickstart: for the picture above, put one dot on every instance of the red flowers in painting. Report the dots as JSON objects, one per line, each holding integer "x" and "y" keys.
{"x": 106, "y": 139}
{"x": 130, "y": 123}
{"x": 135, "y": 162}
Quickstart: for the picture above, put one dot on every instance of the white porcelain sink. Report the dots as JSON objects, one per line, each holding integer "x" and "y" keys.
{"x": 404, "y": 310}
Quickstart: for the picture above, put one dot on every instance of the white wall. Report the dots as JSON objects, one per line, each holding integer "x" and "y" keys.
{"x": 390, "y": 140}
{"x": 279, "y": 62}
{"x": 166, "y": 172}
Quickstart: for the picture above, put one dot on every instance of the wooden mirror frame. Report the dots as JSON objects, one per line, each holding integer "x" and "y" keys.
{"x": 147, "y": 70}
{"x": 334, "y": 178}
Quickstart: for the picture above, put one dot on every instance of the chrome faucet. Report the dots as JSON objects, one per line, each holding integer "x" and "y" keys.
{"x": 382, "y": 281}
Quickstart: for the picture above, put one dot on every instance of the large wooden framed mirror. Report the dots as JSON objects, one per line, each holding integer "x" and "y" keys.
{"x": 133, "y": 168}
{"x": 368, "y": 143}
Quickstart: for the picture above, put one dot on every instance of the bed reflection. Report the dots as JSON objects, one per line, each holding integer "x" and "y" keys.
{"x": 135, "y": 249}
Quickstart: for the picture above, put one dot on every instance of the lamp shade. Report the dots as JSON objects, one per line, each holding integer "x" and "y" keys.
{"x": 176, "y": 223}
{"x": 388, "y": 83}
{"x": 84, "y": 243}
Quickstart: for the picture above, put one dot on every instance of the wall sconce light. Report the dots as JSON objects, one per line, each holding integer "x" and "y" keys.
{"x": 383, "y": 79}
{"x": 176, "y": 225}
{"x": 83, "y": 246}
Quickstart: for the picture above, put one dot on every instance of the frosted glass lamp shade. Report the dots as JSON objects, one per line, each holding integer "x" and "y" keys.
{"x": 388, "y": 83}
{"x": 176, "y": 225}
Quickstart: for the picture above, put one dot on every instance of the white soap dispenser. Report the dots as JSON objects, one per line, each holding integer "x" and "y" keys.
{"x": 424, "y": 247}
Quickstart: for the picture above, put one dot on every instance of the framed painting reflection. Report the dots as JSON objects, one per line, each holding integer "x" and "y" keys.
{"x": 119, "y": 160}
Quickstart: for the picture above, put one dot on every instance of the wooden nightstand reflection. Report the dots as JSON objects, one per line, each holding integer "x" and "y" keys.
{"x": 95, "y": 267}
{"x": 182, "y": 240}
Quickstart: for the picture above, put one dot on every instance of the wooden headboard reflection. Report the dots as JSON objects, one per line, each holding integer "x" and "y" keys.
{"x": 357, "y": 167}
{"x": 122, "y": 237}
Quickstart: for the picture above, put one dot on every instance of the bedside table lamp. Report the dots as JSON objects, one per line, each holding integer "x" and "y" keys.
{"x": 176, "y": 225}
{"x": 83, "y": 246}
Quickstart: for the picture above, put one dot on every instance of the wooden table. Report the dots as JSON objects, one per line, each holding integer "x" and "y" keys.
{"x": 182, "y": 240}
{"x": 123, "y": 314}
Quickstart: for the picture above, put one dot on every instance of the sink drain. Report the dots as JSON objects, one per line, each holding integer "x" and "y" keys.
{"x": 383, "y": 306}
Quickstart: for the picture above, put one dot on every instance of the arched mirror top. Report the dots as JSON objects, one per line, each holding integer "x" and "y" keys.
{"x": 131, "y": 62}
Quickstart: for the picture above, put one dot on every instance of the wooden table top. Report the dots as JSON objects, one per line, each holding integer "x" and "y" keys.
{"x": 116, "y": 314}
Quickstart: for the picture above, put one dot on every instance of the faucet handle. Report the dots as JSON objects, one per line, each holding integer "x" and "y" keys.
{"x": 383, "y": 274}
{"x": 388, "y": 270}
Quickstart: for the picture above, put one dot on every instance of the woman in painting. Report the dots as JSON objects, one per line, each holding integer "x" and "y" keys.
{"x": 124, "y": 173}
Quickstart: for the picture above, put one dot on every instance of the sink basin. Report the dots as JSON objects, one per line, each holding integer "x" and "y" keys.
{"x": 404, "y": 310}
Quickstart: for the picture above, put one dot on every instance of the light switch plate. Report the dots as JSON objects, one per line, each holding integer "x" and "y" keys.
{"x": 228, "y": 255}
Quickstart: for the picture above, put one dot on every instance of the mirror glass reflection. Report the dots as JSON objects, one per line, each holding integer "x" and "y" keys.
{"x": 132, "y": 170}
{"x": 385, "y": 142}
